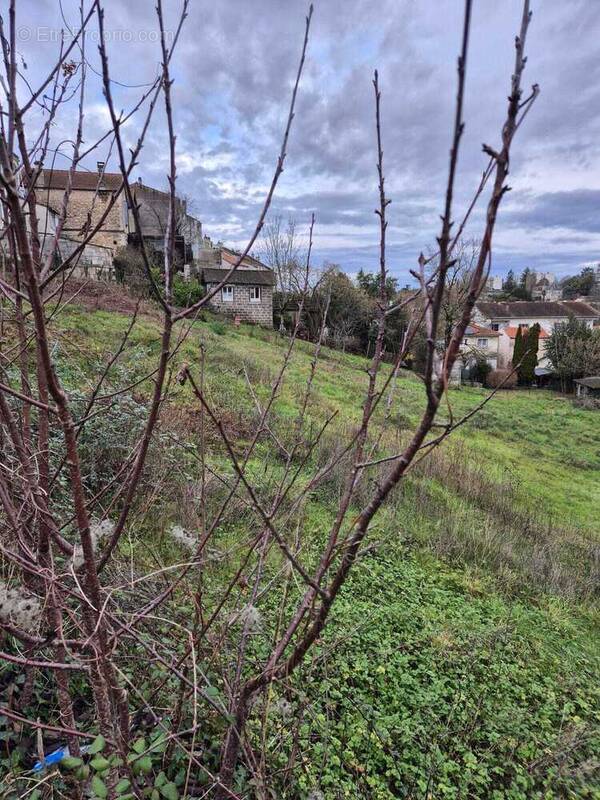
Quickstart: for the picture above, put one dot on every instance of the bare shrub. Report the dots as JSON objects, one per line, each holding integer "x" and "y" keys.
{"x": 502, "y": 379}
{"x": 589, "y": 403}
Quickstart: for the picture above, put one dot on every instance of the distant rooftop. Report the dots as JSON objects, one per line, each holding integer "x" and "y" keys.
{"x": 536, "y": 308}
{"x": 479, "y": 330}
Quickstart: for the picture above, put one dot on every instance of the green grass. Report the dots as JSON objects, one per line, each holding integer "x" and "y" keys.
{"x": 536, "y": 438}
{"x": 462, "y": 658}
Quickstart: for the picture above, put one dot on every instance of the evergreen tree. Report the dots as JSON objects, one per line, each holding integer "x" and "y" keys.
{"x": 370, "y": 284}
{"x": 530, "y": 350}
{"x": 509, "y": 284}
{"x": 519, "y": 349}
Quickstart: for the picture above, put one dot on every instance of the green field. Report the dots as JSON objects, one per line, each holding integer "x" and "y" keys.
{"x": 462, "y": 658}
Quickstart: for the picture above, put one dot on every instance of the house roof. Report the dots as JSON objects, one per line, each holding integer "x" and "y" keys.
{"x": 591, "y": 383}
{"x": 511, "y": 330}
{"x": 88, "y": 181}
{"x": 536, "y": 308}
{"x": 231, "y": 257}
{"x": 247, "y": 277}
{"x": 479, "y": 330}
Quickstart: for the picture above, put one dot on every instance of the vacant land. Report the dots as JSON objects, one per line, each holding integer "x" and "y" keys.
{"x": 462, "y": 659}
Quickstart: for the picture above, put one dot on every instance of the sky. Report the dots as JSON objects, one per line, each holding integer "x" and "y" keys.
{"x": 233, "y": 72}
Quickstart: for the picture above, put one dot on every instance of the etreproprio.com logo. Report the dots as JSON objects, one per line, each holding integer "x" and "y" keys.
{"x": 118, "y": 35}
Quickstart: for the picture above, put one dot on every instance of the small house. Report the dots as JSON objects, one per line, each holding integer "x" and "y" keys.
{"x": 248, "y": 293}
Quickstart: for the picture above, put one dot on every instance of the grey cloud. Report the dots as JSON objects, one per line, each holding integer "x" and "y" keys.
{"x": 578, "y": 210}
{"x": 233, "y": 72}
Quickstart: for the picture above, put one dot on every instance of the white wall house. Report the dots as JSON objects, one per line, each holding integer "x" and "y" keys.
{"x": 506, "y": 318}
{"x": 480, "y": 342}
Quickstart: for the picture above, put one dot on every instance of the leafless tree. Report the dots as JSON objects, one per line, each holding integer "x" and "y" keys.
{"x": 458, "y": 279}
{"x": 283, "y": 251}
{"x": 61, "y": 554}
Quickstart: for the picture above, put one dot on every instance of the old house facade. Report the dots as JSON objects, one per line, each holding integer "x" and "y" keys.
{"x": 480, "y": 342}
{"x": 93, "y": 261}
{"x": 153, "y": 210}
{"x": 90, "y": 205}
{"x": 89, "y": 202}
{"x": 248, "y": 293}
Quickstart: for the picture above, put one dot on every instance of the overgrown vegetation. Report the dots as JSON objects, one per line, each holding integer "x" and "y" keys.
{"x": 131, "y": 271}
{"x": 187, "y": 507}
{"x": 461, "y": 660}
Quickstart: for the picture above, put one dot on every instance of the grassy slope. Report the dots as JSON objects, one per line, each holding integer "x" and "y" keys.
{"x": 439, "y": 675}
{"x": 535, "y": 437}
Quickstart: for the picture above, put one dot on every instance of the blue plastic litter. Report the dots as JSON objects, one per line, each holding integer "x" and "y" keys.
{"x": 56, "y": 757}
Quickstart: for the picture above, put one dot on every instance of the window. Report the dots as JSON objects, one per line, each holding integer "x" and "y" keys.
{"x": 255, "y": 294}
{"x": 482, "y": 344}
{"x": 227, "y": 294}
{"x": 495, "y": 326}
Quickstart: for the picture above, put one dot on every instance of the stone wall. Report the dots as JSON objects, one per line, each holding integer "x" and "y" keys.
{"x": 258, "y": 313}
{"x": 81, "y": 201}
{"x": 94, "y": 262}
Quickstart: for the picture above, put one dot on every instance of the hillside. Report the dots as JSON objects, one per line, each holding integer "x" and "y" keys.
{"x": 462, "y": 659}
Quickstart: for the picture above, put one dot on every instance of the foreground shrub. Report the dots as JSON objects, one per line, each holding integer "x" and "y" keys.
{"x": 130, "y": 270}
{"x": 186, "y": 293}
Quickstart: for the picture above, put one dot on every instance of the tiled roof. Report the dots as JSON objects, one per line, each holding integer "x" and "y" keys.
{"x": 535, "y": 308}
{"x": 511, "y": 331}
{"x": 248, "y": 277}
{"x": 90, "y": 181}
{"x": 479, "y": 330}
{"x": 231, "y": 257}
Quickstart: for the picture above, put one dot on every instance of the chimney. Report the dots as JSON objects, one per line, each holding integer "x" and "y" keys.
{"x": 101, "y": 165}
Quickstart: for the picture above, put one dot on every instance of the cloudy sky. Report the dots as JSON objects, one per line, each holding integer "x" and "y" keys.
{"x": 233, "y": 72}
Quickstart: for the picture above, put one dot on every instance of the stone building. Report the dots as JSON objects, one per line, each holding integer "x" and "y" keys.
{"x": 248, "y": 293}
{"x": 543, "y": 286}
{"x": 153, "y": 209}
{"x": 89, "y": 201}
{"x": 93, "y": 260}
